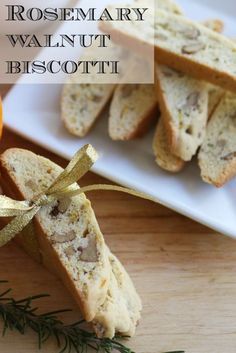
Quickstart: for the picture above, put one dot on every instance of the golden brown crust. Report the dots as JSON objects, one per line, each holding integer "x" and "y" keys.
{"x": 10, "y": 189}
{"x": 143, "y": 126}
{"x": 228, "y": 174}
{"x": 213, "y": 107}
{"x": 197, "y": 70}
{"x": 166, "y": 115}
{"x": 146, "y": 121}
{"x": 164, "y": 158}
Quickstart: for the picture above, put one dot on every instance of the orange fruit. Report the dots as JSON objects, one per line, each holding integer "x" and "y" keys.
{"x": 1, "y": 117}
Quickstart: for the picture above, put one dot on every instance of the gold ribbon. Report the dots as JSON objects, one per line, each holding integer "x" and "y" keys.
{"x": 24, "y": 211}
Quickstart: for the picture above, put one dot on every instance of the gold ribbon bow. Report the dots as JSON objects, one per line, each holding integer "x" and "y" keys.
{"x": 24, "y": 211}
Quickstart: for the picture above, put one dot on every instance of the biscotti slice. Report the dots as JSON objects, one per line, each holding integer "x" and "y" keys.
{"x": 82, "y": 104}
{"x": 121, "y": 309}
{"x": 215, "y": 95}
{"x": 164, "y": 157}
{"x": 215, "y": 92}
{"x": 184, "y": 106}
{"x": 217, "y": 156}
{"x": 180, "y": 43}
{"x": 132, "y": 109}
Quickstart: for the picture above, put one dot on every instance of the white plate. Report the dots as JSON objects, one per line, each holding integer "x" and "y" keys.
{"x": 33, "y": 111}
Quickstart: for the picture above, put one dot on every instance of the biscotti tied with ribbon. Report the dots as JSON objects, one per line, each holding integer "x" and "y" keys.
{"x": 182, "y": 44}
{"x": 71, "y": 244}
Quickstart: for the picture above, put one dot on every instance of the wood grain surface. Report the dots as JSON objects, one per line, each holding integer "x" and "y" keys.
{"x": 184, "y": 272}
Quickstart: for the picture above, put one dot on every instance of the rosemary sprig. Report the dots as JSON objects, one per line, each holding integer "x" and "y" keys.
{"x": 21, "y": 314}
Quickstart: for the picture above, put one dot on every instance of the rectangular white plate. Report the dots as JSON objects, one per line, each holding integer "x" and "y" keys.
{"x": 34, "y": 112}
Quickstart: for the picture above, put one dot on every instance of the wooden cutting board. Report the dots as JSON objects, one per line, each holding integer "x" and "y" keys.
{"x": 184, "y": 272}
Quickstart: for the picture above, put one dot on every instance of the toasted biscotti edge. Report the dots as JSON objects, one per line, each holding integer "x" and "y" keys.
{"x": 185, "y": 133}
{"x": 160, "y": 145}
{"x": 218, "y": 170}
{"x": 141, "y": 128}
{"x": 164, "y": 157}
{"x": 215, "y": 96}
{"x": 30, "y": 246}
{"x": 117, "y": 130}
{"x": 170, "y": 129}
{"x": 200, "y": 72}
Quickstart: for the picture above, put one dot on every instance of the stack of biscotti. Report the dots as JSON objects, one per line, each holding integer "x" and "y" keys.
{"x": 166, "y": 156}
{"x": 195, "y": 67}
{"x": 217, "y": 176}
{"x": 186, "y": 104}
{"x": 69, "y": 242}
